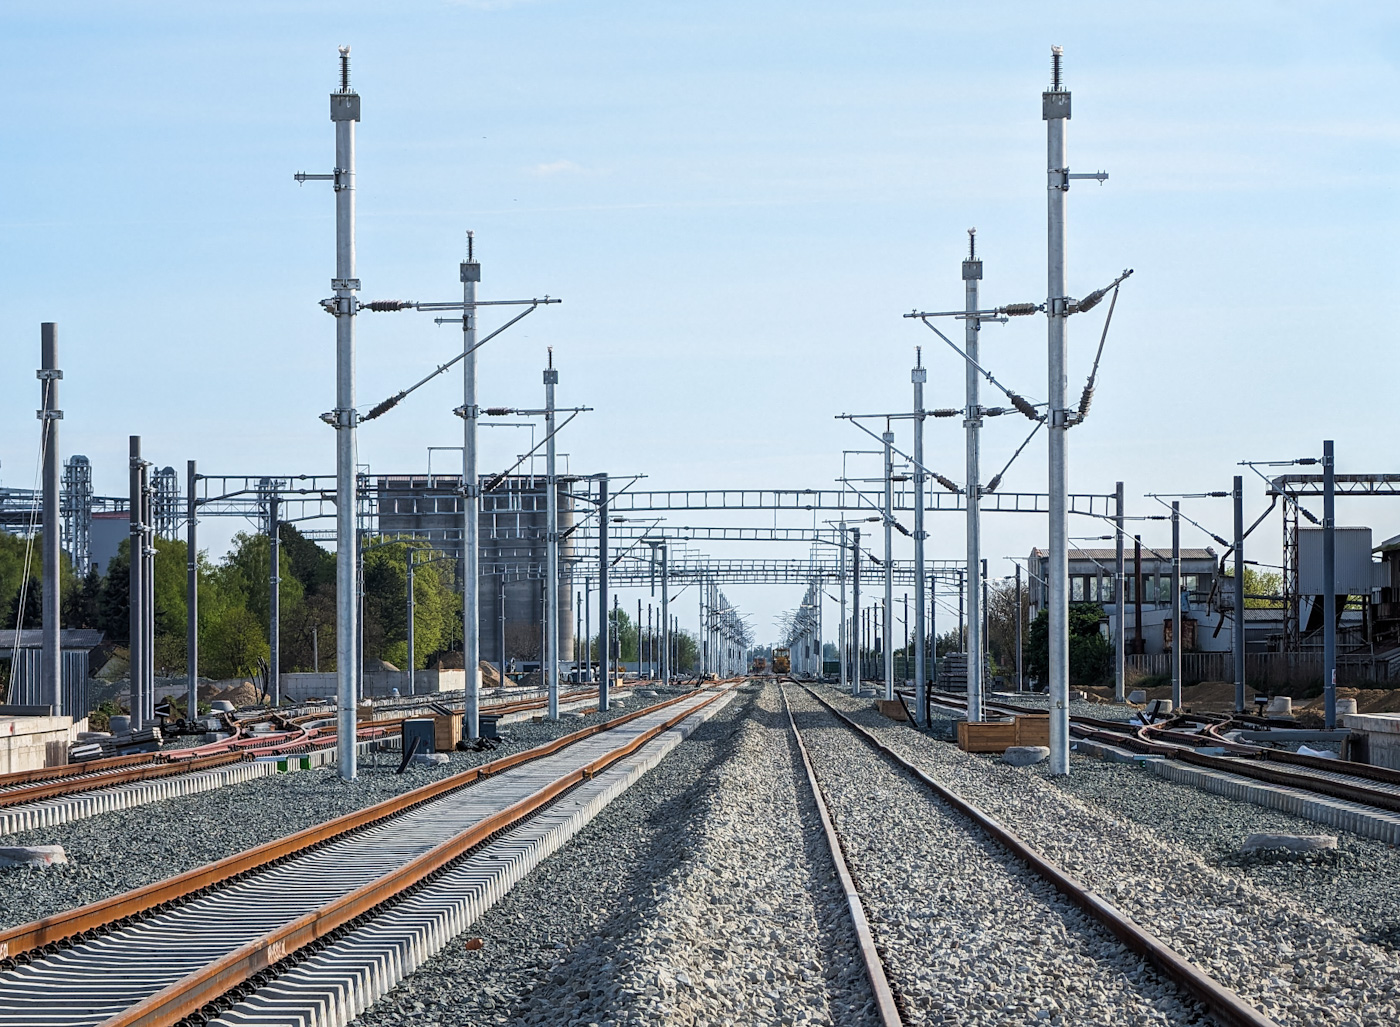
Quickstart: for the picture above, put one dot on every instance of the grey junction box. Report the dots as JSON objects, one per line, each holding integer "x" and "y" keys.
{"x": 421, "y": 728}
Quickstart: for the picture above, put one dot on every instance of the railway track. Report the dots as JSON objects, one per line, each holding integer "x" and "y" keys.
{"x": 290, "y": 736}
{"x": 882, "y": 957}
{"x": 1376, "y": 787}
{"x": 183, "y": 943}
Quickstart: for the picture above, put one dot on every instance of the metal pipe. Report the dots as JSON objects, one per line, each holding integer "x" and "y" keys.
{"x": 469, "y": 272}
{"x": 1139, "y": 648}
{"x": 551, "y": 552}
{"x": 587, "y": 641}
{"x": 603, "y": 650}
{"x": 1239, "y": 634}
{"x": 274, "y": 603}
{"x": 51, "y": 678}
{"x": 345, "y": 113}
{"x": 1055, "y": 109}
{"x": 191, "y": 594}
{"x": 889, "y": 561}
{"x": 842, "y": 633}
{"x": 148, "y": 596}
{"x": 1178, "y": 629}
{"x": 1120, "y": 648}
{"x": 972, "y": 425}
{"x": 1329, "y": 583}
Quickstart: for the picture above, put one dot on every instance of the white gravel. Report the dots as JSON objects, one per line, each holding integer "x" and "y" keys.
{"x": 119, "y": 851}
{"x": 703, "y": 895}
{"x": 1281, "y": 950}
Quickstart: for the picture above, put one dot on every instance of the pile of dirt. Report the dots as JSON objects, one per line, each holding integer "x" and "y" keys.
{"x": 1219, "y": 697}
{"x": 245, "y": 694}
{"x": 490, "y": 677}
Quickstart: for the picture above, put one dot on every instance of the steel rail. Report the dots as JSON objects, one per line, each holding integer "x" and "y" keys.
{"x": 105, "y": 913}
{"x": 1224, "y": 1004}
{"x": 107, "y": 779}
{"x": 197, "y": 990}
{"x": 885, "y": 1003}
{"x": 24, "y": 777}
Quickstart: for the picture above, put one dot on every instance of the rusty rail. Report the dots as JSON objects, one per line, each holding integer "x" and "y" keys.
{"x": 101, "y": 914}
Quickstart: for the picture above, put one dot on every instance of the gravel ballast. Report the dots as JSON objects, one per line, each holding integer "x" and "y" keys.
{"x": 1281, "y": 950}
{"x": 702, "y": 895}
{"x": 116, "y": 852}
{"x": 968, "y": 934}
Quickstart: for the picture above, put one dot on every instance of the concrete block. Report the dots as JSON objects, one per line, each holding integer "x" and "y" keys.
{"x": 1279, "y": 706}
{"x": 1138, "y": 696}
{"x": 1291, "y": 842}
{"x": 1345, "y": 707}
{"x": 1025, "y": 755}
{"x": 432, "y": 759}
{"x": 32, "y": 855}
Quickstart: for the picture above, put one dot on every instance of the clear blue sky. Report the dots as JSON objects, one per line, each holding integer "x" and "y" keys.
{"x": 736, "y": 202}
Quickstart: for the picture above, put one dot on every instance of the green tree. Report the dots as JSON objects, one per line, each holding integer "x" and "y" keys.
{"x": 1263, "y": 590}
{"x": 1090, "y": 655}
{"x": 436, "y": 615}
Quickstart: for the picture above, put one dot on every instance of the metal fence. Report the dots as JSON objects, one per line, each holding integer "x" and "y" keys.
{"x": 1269, "y": 670}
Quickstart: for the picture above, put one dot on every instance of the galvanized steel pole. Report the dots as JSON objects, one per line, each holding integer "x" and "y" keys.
{"x": 1055, "y": 109}
{"x": 469, "y": 271}
{"x": 551, "y": 547}
{"x": 842, "y": 633}
{"x": 1020, "y": 676}
{"x": 148, "y": 597}
{"x": 136, "y": 592}
{"x": 1120, "y": 647}
{"x": 889, "y": 560}
{"x": 1329, "y": 583}
{"x": 52, "y": 668}
{"x": 972, "y": 425}
{"x": 1239, "y": 634}
{"x": 1177, "y": 627}
{"x": 666, "y": 667}
{"x": 191, "y": 594}
{"x": 603, "y": 649}
{"x": 918, "y": 376}
{"x": 345, "y": 112}
{"x": 855, "y": 605}
{"x": 274, "y": 605}
{"x": 412, "y": 655}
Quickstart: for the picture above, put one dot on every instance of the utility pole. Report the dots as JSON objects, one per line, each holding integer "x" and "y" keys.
{"x": 918, "y": 376}
{"x": 972, "y": 425}
{"x": 1138, "y": 648}
{"x": 855, "y": 605}
{"x": 603, "y": 649}
{"x": 274, "y": 604}
{"x": 345, "y": 112}
{"x": 1020, "y": 677}
{"x": 1177, "y": 627}
{"x": 52, "y": 667}
{"x": 889, "y": 560}
{"x": 1120, "y": 648}
{"x": 1055, "y": 110}
{"x": 191, "y": 594}
{"x": 666, "y": 665}
{"x": 469, "y": 272}
{"x": 136, "y": 591}
{"x": 587, "y": 629}
{"x": 842, "y": 634}
{"x": 1239, "y": 636}
{"x": 148, "y": 597}
{"x": 1329, "y": 583}
{"x": 409, "y": 552}
{"x": 551, "y": 572}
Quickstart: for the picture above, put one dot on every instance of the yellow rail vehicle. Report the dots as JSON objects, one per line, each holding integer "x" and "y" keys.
{"x": 782, "y": 661}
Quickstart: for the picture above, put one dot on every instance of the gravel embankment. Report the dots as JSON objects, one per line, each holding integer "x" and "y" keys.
{"x": 1358, "y": 884}
{"x": 1283, "y": 950}
{"x": 701, "y": 896}
{"x": 969, "y": 935}
{"x": 118, "y": 851}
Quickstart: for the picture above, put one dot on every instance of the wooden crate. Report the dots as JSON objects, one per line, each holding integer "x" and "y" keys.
{"x": 892, "y": 708}
{"x": 447, "y": 732}
{"x": 986, "y": 736}
{"x": 1033, "y": 729}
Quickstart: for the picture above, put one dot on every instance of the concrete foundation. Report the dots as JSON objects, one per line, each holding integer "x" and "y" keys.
{"x": 1380, "y": 733}
{"x": 31, "y": 743}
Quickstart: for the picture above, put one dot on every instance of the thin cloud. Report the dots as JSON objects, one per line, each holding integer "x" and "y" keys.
{"x": 555, "y": 167}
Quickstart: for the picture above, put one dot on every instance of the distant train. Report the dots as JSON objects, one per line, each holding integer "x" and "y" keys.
{"x": 759, "y": 666}
{"x": 782, "y": 661}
